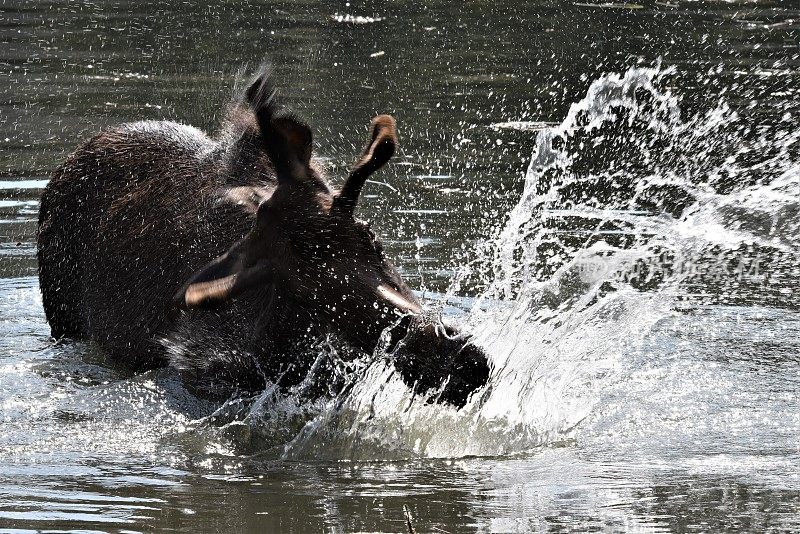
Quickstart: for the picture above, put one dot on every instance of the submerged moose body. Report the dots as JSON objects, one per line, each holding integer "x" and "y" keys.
{"x": 160, "y": 243}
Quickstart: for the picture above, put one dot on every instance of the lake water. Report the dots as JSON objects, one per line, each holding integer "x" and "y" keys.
{"x": 608, "y": 195}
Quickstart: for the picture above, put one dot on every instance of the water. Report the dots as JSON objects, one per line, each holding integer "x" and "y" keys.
{"x": 609, "y": 197}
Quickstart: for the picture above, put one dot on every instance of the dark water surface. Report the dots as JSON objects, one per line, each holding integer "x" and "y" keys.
{"x": 608, "y": 195}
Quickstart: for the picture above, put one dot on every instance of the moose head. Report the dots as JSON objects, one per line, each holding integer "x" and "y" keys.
{"x": 307, "y": 242}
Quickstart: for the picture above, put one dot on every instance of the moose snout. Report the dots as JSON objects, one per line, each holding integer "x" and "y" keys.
{"x": 469, "y": 372}
{"x": 437, "y": 357}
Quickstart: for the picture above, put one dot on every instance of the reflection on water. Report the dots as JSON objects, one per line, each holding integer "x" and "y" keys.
{"x": 636, "y": 286}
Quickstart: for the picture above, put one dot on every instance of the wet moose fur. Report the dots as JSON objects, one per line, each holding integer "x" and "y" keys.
{"x": 158, "y": 242}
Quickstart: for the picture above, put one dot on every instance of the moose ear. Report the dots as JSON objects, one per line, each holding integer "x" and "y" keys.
{"x": 297, "y": 136}
{"x": 221, "y": 280}
{"x": 380, "y": 148}
{"x": 287, "y": 139}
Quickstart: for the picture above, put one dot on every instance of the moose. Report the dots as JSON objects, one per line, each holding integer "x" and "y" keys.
{"x": 152, "y": 232}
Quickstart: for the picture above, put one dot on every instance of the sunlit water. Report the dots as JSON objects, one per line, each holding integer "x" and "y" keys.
{"x": 621, "y": 232}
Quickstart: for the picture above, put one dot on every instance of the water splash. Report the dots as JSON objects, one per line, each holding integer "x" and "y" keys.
{"x": 630, "y": 210}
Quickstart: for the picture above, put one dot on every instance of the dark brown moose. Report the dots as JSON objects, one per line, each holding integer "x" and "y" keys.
{"x": 161, "y": 244}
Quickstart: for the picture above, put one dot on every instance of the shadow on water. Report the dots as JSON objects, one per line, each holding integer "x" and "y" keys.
{"x": 637, "y": 387}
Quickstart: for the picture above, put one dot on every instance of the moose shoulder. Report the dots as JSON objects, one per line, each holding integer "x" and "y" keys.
{"x": 152, "y": 228}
